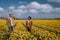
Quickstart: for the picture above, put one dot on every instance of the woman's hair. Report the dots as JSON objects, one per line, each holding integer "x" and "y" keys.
{"x": 10, "y": 14}
{"x": 13, "y": 16}
{"x": 29, "y": 17}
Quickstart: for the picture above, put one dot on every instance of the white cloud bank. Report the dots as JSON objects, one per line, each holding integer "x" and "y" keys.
{"x": 32, "y": 8}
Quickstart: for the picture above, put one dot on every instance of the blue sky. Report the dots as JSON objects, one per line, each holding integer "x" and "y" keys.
{"x": 33, "y": 8}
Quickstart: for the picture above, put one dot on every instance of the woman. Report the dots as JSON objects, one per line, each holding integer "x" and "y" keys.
{"x": 29, "y": 24}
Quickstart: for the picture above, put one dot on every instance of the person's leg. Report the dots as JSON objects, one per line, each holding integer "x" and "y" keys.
{"x": 9, "y": 29}
{"x": 12, "y": 28}
{"x": 29, "y": 29}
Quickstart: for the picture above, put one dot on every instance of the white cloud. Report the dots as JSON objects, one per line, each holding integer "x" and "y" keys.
{"x": 2, "y": 9}
{"x": 11, "y": 7}
{"x": 57, "y": 1}
{"x": 3, "y": 12}
{"x": 33, "y": 5}
{"x": 22, "y": 7}
{"x": 33, "y": 11}
{"x": 57, "y": 9}
{"x": 41, "y": 7}
{"x": 19, "y": 12}
{"x": 46, "y": 8}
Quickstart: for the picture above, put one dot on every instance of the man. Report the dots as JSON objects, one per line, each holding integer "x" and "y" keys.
{"x": 29, "y": 24}
{"x": 10, "y": 22}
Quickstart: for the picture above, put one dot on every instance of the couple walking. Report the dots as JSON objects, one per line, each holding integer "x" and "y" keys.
{"x": 10, "y": 23}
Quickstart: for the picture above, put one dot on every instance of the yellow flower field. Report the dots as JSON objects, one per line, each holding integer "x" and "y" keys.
{"x": 41, "y": 30}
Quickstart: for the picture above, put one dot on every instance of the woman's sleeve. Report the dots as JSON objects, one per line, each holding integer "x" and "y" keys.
{"x": 31, "y": 25}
